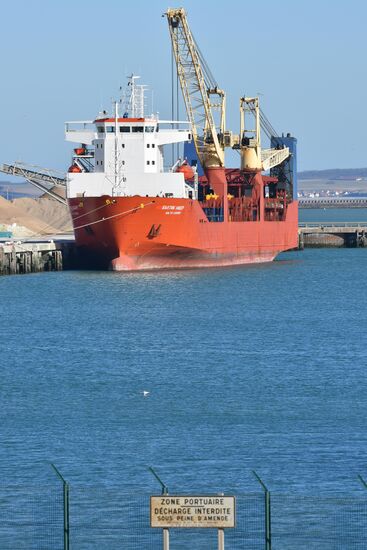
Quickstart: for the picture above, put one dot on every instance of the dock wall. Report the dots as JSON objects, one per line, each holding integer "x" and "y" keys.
{"x": 21, "y": 258}
{"x": 332, "y": 202}
{"x": 332, "y": 236}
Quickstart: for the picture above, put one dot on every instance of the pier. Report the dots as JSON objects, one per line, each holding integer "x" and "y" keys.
{"x": 338, "y": 234}
{"x": 332, "y": 202}
{"x": 33, "y": 256}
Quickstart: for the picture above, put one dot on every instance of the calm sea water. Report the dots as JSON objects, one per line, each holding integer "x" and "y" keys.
{"x": 259, "y": 367}
{"x": 333, "y": 214}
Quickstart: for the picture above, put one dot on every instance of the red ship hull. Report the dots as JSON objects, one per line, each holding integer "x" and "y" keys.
{"x": 141, "y": 233}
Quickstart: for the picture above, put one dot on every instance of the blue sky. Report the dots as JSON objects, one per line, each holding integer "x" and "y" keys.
{"x": 64, "y": 60}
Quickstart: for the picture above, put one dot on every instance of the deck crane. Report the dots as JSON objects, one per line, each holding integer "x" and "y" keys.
{"x": 253, "y": 157}
{"x": 198, "y": 88}
{"x": 201, "y": 93}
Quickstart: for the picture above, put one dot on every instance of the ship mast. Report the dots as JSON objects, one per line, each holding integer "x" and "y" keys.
{"x": 117, "y": 168}
{"x": 136, "y": 100}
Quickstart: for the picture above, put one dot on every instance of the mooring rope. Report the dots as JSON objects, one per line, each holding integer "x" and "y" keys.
{"x": 142, "y": 205}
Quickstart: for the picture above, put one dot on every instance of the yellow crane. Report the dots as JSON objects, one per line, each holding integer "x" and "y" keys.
{"x": 201, "y": 94}
{"x": 203, "y": 98}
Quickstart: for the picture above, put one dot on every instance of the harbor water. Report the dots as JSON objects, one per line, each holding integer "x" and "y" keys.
{"x": 249, "y": 368}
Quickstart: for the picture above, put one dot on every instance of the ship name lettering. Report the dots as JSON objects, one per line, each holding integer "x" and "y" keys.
{"x": 172, "y": 207}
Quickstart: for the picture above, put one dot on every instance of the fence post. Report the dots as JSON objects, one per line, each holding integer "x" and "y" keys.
{"x": 164, "y": 492}
{"x": 267, "y": 512}
{"x": 364, "y": 483}
{"x": 66, "y": 508}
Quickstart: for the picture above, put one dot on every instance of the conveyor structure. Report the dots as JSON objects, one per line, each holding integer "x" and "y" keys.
{"x": 37, "y": 176}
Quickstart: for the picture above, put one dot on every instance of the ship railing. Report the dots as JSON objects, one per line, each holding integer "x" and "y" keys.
{"x": 79, "y": 125}
{"x": 361, "y": 225}
{"x": 80, "y": 131}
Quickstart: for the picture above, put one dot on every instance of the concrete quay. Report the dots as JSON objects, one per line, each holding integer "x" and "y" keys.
{"x": 36, "y": 255}
{"x": 319, "y": 235}
{"x": 332, "y": 202}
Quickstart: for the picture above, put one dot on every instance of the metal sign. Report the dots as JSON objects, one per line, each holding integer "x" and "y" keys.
{"x": 217, "y": 512}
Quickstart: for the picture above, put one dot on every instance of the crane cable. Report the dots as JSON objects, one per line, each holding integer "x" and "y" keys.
{"x": 211, "y": 83}
{"x": 209, "y": 78}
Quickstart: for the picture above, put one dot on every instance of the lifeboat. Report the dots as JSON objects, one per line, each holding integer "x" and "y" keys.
{"x": 74, "y": 169}
{"x": 186, "y": 170}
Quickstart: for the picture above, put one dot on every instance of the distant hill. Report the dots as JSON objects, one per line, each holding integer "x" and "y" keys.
{"x": 333, "y": 174}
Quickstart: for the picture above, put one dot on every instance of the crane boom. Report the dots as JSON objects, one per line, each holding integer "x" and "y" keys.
{"x": 198, "y": 85}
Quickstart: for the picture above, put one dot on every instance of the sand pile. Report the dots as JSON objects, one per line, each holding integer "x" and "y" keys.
{"x": 27, "y": 217}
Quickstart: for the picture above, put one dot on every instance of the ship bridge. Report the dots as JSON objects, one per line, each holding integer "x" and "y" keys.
{"x": 124, "y": 156}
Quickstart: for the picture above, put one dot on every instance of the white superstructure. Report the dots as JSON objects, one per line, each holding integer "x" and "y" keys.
{"x": 123, "y": 156}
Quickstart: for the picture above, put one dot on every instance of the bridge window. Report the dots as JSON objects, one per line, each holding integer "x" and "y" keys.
{"x": 149, "y": 128}
{"x": 110, "y": 129}
{"x": 148, "y": 161}
{"x": 125, "y": 129}
{"x": 100, "y": 129}
{"x": 153, "y": 145}
{"x": 138, "y": 129}
{"x": 148, "y": 145}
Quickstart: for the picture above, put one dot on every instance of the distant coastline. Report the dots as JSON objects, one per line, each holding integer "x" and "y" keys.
{"x": 334, "y": 174}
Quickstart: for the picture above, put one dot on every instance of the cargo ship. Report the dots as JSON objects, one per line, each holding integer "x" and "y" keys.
{"x": 131, "y": 211}
{"x": 147, "y": 218}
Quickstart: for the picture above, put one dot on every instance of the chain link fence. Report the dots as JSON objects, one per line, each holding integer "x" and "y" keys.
{"x": 104, "y": 518}
{"x": 31, "y": 518}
